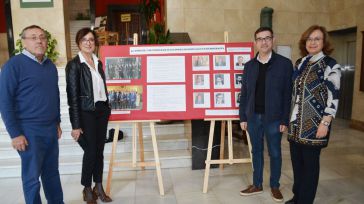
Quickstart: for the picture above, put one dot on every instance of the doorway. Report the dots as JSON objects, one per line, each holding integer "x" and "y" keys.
{"x": 344, "y": 42}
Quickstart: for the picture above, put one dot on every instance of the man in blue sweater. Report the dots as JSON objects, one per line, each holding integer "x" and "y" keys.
{"x": 264, "y": 109}
{"x": 30, "y": 109}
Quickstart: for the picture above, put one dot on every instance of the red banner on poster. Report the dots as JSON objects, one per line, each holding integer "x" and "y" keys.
{"x": 175, "y": 82}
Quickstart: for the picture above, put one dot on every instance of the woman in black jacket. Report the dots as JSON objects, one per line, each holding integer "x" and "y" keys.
{"x": 89, "y": 112}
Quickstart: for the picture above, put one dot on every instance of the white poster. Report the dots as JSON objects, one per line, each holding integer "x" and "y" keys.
{"x": 164, "y": 98}
{"x": 166, "y": 69}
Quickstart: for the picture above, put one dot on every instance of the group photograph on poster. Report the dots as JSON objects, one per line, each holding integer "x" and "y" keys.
{"x": 221, "y": 81}
{"x": 125, "y": 97}
{"x": 200, "y": 63}
{"x": 238, "y": 80}
{"x": 201, "y": 81}
{"x": 201, "y": 100}
{"x": 240, "y": 60}
{"x": 121, "y": 68}
{"x": 221, "y": 62}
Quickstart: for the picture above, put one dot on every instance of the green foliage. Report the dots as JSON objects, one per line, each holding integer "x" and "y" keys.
{"x": 51, "y": 52}
{"x": 157, "y": 35}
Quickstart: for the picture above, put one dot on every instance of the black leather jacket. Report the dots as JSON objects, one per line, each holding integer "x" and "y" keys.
{"x": 79, "y": 89}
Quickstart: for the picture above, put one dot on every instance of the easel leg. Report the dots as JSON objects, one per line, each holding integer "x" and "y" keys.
{"x": 134, "y": 144}
{"x": 230, "y": 141}
{"x": 208, "y": 159}
{"x": 156, "y": 158}
{"x": 112, "y": 159}
{"x": 141, "y": 143}
{"x": 222, "y": 143}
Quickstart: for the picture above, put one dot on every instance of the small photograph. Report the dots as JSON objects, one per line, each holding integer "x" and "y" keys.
{"x": 221, "y": 62}
{"x": 201, "y": 100}
{"x": 238, "y": 80}
{"x": 240, "y": 60}
{"x": 200, "y": 63}
{"x": 222, "y": 99}
{"x": 201, "y": 81}
{"x": 125, "y": 97}
{"x": 121, "y": 68}
{"x": 221, "y": 81}
{"x": 237, "y": 99}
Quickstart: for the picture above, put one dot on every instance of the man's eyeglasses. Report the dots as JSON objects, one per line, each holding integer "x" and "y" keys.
{"x": 84, "y": 40}
{"x": 35, "y": 38}
{"x": 266, "y": 39}
{"x": 316, "y": 40}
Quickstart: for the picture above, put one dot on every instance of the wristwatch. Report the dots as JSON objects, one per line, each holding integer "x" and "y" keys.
{"x": 326, "y": 123}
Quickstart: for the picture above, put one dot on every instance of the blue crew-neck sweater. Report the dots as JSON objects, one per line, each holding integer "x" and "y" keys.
{"x": 29, "y": 94}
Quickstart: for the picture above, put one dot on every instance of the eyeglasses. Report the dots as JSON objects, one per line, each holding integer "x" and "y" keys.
{"x": 84, "y": 40}
{"x": 266, "y": 39}
{"x": 35, "y": 38}
{"x": 316, "y": 40}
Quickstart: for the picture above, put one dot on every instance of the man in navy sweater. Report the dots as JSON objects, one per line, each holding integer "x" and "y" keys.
{"x": 30, "y": 109}
{"x": 264, "y": 109}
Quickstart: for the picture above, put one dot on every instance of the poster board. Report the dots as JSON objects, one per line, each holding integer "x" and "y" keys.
{"x": 175, "y": 82}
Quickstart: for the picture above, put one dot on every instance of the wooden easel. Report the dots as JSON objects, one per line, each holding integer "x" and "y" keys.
{"x": 137, "y": 124}
{"x": 222, "y": 161}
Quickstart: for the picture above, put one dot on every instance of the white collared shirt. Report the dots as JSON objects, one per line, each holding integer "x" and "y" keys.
{"x": 264, "y": 62}
{"x": 97, "y": 82}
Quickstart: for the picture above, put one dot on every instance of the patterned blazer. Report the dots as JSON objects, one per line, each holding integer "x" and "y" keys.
{"x": 315, "y": 94}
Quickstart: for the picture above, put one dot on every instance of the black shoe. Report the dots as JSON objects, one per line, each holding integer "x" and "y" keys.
{"x": 292, "y": 201}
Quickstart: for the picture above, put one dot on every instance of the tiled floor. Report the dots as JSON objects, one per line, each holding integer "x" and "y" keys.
{"x": 341, "y": 179}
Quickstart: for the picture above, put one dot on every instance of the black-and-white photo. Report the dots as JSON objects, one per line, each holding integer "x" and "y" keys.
{"x": 123, "y": 68}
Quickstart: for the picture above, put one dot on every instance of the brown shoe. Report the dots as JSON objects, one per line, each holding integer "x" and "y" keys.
{"x": 100, "y": 193}
{"x": 276, "y": 195}
{"x": 251, "y": 190}
{"x": 88, "y": 196}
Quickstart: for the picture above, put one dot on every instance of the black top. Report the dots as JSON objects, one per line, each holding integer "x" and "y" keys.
{"x": 260, "y": 89}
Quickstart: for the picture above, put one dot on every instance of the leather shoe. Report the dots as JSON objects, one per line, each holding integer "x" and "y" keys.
{"x": 89, "y": 196}
{"x": 99, "y": 191}
{"x": 292, "y": 201}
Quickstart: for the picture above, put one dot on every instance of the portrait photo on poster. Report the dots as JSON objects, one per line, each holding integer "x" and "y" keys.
{"x": 200, "y": 63}
{"x": 201, "y": 100}
{"x": 123, "y": 98}
{"x": 222, "y": 99}
{"x": 240, "y": 60}
{"x": 201, "y": 81}
{"x": 238, "y": 80}
{"x": 221, "y": 81}
{"x": 237, "y": 99}
{"x": 221, "y": 62}
{"x": 122, "y": 68}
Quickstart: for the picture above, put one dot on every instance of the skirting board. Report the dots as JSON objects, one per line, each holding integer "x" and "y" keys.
{"x": 356, "y": 124}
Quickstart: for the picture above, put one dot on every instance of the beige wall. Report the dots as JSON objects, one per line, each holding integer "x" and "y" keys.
{"x": 51, "y": 19}
{"x": 206, "y": 20}
{"x": 4, "y": 54}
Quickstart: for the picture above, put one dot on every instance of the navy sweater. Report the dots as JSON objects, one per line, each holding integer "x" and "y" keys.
{"x": 29, "y": 94}
{"x": 278, "y": 89}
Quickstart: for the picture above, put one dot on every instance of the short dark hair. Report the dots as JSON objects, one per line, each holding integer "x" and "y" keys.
{"x": 22, "y": 34}
{"x": 84, "y": 31}
{"x": 327, "y": 48}
{"x": 261, "y": 29}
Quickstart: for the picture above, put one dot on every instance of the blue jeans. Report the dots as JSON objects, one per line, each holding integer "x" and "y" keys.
{"x": 257, "y": 128}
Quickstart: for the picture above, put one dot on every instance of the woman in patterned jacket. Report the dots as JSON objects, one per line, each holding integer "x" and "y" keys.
{"x": 315, "y": 98}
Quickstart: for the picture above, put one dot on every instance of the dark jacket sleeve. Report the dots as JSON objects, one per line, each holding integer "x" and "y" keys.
{"x": 243, "y": 97}
{"x": 287, "y": 95}
{"x": 73, "y": 92}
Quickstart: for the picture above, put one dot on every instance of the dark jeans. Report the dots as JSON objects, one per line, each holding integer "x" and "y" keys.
{"x": 306, "y": 171}
{"x": 94, "y": 126}
{"x": 257, "y": 128}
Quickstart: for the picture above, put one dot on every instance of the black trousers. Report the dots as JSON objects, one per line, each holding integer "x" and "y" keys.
{"x": 94, "y": 126}
{"x": 306, "y": 171}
